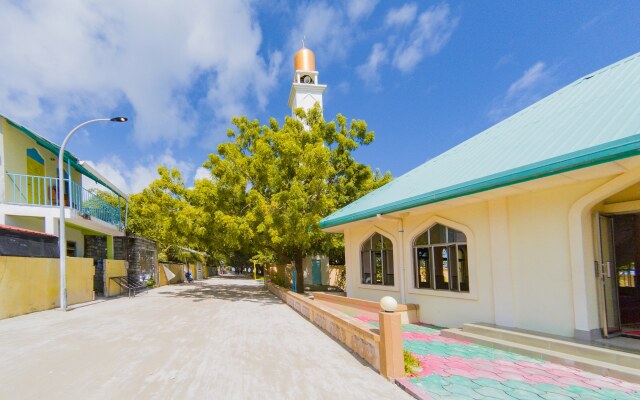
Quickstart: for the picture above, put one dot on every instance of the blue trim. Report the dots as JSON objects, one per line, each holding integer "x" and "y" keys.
{"x": 35, "y": 156}
{"x": 607, "y": 152}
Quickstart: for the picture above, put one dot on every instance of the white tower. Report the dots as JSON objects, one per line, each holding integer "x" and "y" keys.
{"x": 305, "y": 90}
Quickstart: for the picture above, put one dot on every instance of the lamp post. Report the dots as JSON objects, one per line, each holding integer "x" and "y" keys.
{"x": 61, "y": 227}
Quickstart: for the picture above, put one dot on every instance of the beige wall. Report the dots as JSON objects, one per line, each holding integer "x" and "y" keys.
{"x": 520, "y": 263}
{"x": 33, "y": 284}
{"x": 32, "y": 223}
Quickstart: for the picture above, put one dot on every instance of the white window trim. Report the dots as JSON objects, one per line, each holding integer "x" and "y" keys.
{"x": 472, "y": 294}
{"x": 396, "y": 267}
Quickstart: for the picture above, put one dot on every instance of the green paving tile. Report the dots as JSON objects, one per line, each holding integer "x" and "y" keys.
{"x": 545, "y": 387}
{"x": 486, "y": 382}
{"x": 523, "y": 386}
{"x": 556, "y": 396}
{"x": 432, "y": 329}
{"x": 594, "y": 394}
{"x": 523, "y": 395}
{"x": 462, "y": 390}
{"x": 460, "y": 380}
{"x": 607, "y": 393}
{"x": 494, "y": 393}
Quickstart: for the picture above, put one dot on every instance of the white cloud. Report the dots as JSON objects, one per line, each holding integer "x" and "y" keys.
{"x": 357, "y": 9}
{"x": 134, "y": 178}
{"x": 533, "y": 84}
{"x": 401, "y": 16}
{"x": 529, "y": 79}
{"x": 430, "y": 34}
{"x": 369, "y": 71}
{"x": 327, "y": 30}
{"x": 89, "y": 57}
{"x": 202, "y": 173}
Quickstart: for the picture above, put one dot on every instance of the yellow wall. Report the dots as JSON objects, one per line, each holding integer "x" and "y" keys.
{"x": 33, "y": 284}
{"x": 113, "y": 268}
{"x": 177, "y": 269}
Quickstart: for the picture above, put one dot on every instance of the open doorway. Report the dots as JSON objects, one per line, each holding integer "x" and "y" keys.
{"x": 619, "y": 270}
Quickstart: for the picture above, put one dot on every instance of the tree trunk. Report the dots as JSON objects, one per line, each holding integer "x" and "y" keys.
{"x": 299, "y": 273}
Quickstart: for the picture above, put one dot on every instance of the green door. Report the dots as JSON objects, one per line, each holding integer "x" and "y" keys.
{"x": 316, "y": 274}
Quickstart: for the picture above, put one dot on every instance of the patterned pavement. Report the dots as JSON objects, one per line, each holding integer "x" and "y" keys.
{"x": 455, "y": 369}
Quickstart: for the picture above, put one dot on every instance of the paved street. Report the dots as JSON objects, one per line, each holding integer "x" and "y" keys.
{"x": 221, "y": 338}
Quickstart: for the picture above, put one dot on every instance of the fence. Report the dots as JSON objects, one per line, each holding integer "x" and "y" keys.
{"x": 43, "y": 191}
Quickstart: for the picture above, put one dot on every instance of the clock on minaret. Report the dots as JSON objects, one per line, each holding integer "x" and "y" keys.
{"x": 305, "y": 90}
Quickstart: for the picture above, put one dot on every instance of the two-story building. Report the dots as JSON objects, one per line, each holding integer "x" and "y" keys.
{"x": 29, "y": 191}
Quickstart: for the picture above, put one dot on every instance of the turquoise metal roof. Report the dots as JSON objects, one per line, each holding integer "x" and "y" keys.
{"x": 594, "y": 120}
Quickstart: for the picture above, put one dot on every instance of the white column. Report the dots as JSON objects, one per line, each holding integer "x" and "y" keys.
{"x": 51, "y": 225}
{"x": 501, "y": 263}
{"x": 349, "y": 268}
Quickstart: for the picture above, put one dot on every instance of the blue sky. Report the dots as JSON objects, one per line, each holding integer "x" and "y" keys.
{"x": 424, "y": 75}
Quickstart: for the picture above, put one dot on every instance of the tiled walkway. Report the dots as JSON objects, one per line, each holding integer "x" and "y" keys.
{"x": 453, "y": 369}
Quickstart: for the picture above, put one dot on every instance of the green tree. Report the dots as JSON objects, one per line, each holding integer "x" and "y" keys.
{"x": 272, "y": 184}
{"x": 162, "y": 212}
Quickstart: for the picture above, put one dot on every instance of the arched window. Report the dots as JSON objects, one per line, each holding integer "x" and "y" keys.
{"x": 376, "y": 257}
{"x": 440, "y": 259}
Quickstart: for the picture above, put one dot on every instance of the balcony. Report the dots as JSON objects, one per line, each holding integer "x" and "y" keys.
{"x": 43, "y": 191}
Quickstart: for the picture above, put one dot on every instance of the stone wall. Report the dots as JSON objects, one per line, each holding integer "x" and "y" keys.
{"x": 95, "y": 247}
{"x": 142, "y": 255}
{"x": 120, "y": 247}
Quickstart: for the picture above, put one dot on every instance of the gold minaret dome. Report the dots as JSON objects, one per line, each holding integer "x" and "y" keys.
{"x": 304, "y": 60}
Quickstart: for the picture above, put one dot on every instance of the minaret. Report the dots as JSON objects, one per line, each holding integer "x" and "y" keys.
{"x": 305, "y": 90}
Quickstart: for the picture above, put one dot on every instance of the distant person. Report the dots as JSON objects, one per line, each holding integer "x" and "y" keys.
{"x": 188, "y": 276}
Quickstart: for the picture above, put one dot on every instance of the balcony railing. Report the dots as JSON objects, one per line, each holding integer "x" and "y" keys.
{"x": 43, "y": 191}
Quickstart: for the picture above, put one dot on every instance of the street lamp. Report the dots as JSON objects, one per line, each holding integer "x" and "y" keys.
{"x": 61, "y": 227}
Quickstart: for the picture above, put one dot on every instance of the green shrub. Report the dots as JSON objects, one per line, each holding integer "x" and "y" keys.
{"x": 278, "y": 280}
{"x": 150, "y": 282}
{"x": 411, "y": 364}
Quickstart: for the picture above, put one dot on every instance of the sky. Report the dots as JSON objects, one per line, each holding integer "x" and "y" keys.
{"x": 425, "y": 75}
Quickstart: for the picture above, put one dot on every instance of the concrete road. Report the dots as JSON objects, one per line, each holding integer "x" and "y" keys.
{"x": 215, "y": 339}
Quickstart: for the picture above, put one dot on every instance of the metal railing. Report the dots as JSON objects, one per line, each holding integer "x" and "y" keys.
{"x": 43, "y": 191}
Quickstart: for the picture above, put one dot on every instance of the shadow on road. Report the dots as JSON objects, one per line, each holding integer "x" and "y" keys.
{"x": 235, "y": 292}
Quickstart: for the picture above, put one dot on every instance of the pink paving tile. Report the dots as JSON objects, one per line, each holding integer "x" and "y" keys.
{"x": 565, "y": 381}
{"x": 366, "y": 318}
{"x": 508, "y": 376}
{"x": 488, "y": 375}
{"x": 426, "y": 337}
{"x": 465, "y": 373}
{"x": 561, "y": 373}
{"x": 541, "y": 379}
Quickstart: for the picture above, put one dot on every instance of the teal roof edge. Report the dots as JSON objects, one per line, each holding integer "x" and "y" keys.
{"x": 55, "y": 149}
{"x": 606, "y": 152}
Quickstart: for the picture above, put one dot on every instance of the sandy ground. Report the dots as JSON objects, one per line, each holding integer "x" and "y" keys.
{"x": 216, "y": 339}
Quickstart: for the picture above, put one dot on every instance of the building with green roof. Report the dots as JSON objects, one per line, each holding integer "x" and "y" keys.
{"x": 532, "y": 223}
{"x": 29, "y": 191}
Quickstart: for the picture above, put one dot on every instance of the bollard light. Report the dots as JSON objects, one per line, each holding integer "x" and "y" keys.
{"x": 388, "y": 304}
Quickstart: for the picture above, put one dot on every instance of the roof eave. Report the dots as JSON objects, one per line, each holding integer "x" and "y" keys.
{"x": 607, "y": 152}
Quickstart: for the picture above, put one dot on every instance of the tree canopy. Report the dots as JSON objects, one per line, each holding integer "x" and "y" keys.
{"x": 269, "y": 186}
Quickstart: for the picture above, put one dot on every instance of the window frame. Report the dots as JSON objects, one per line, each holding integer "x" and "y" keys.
{"x": 462, "y": 249}
{"x": 387, "y": 269}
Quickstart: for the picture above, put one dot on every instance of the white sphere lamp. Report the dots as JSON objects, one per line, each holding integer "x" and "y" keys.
{"x": 388, "y": 304}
